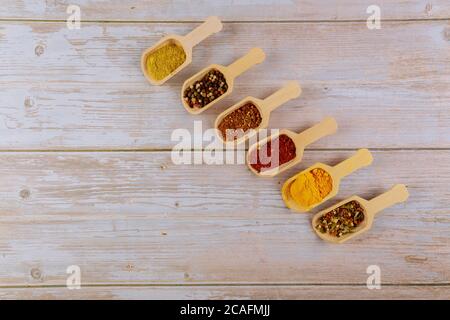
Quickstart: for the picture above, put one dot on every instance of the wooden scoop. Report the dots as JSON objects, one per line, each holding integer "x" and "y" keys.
{"x": 290, "y": 91}
{"x": 397, "y": 194}
{"x": 254, "y": 56}
{"x": 326, "y": 127}
{"x": 187, "y": 42}
{"x": 360, "y": 159}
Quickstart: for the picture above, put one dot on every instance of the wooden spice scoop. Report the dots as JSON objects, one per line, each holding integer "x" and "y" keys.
{"x": 290, "y": 91}
{"x": 326, "y": 127}
{"x": 210, "y": 26}
{"x": 254, "y": 56}
{"x": 360, "y": 159}
{"x": 399, "y": 193}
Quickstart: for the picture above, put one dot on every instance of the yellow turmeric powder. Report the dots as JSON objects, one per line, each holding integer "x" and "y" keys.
{"x": 164, "y": 60}
{"x": 311, "y": 187}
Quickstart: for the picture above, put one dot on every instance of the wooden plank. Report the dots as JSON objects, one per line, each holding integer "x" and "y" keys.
{"x": 232, "y": 292}
{"x": 127, "y": 217}
{"x": 68, "y": 89}
{"x": 244, "y": 10}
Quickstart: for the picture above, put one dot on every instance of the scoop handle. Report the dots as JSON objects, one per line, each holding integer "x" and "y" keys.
{"x": 324, "y": 128}
{"x": 399, "y": 193}
{"x": 211, "y": 25}
{"x": 360, "y": 159}
{"x": 254, "y": 56}
{"x": 290, "y": 91}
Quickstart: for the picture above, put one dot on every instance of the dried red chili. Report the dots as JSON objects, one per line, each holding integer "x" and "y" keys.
{"x": 273, "y": 154}
{"x": 243, "y": 119}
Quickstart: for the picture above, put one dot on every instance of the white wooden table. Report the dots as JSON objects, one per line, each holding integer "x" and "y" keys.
{"x": 86, "y": 176}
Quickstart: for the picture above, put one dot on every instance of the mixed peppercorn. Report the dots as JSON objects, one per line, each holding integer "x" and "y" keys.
{"x": 238, "y": 122}
{"x": 206, "y": 90}
{"x": 274, "y": 153}
{"x": 342, "y": 220}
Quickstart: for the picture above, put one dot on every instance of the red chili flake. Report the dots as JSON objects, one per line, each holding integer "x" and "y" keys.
{"x": 273, "y": 154}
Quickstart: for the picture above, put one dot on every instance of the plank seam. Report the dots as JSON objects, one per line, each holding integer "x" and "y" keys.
{"x": 196, "y": 150}
{"x": 223, "y": 21}
{"x": 228, "y": 285}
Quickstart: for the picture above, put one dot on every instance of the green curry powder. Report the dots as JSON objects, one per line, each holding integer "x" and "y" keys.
{"x": 164, "y": 60}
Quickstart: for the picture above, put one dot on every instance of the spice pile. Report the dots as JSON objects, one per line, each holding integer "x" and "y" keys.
{"x": 164, "y": 60}
{"x": 205, "y": 90}
{"x": 311, "y": 187}
{"x": 342, "y": 220}
{"x": 272, "y": 154}
{"x": 238, "y": 122}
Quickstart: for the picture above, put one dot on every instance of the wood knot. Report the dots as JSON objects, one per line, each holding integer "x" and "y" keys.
{"x": 428, "y": 9}
{"x": 31, "y": 108}
{"x": 25, "y": 193}
{"x": 29, "y": 102}
{"x": 39, "y": 50}
{"x": 129, "y": 267}
{"x": 447, "y": 33}
{"x": 36, "y": 273}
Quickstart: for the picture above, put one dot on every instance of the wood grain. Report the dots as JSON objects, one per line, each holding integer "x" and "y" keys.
{"x": 67, "y": 89}
{"x": 244, "y": 10}
{"x": 127, "y": 217}
{"x": 232, "y": 292}
{"x": 141, "y": 227}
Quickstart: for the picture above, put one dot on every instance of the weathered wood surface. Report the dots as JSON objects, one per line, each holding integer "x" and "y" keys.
{"x": 83, "y": 89}
{"x": 231, "y": 292}
{"x": 141, "y": 227}
{"x": 135, "y": 218}
{"x": 243, "y": 10}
